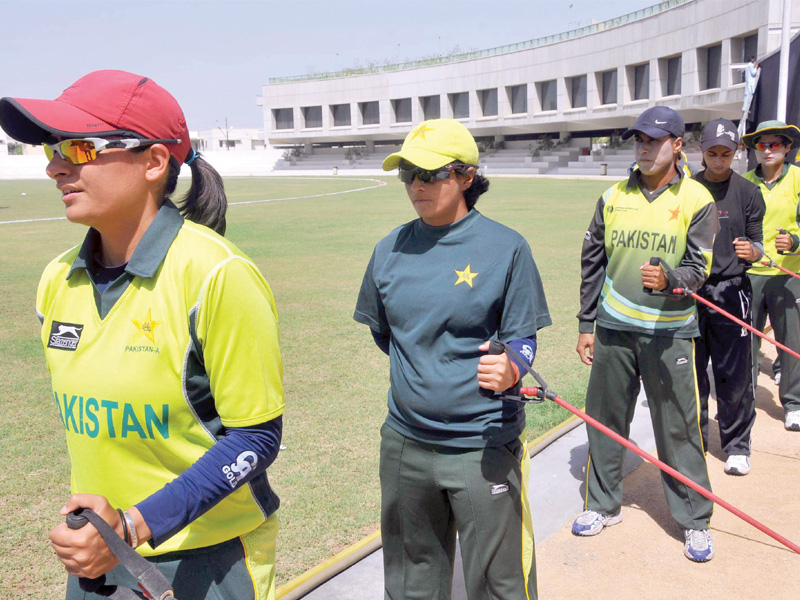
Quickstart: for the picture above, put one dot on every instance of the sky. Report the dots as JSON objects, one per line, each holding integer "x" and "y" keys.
{"x": 214, "y": 55}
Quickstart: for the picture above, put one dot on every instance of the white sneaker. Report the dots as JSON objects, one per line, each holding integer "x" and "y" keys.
{"x": 699, "y": 545}
{"x": 737, "y": 464}
{"x": 590, "y": 522}
{"x": 777, "y": 378}
{"x": 793, "y": 420}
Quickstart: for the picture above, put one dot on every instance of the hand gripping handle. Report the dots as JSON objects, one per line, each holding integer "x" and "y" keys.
{"x": 495, "y": 347}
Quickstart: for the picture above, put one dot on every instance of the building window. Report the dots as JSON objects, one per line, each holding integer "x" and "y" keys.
{"x": 548, "y": 98}
{"x": 341, "y": 115}
{"x": 673, "y": 76}
{"x": 431, "y": 107}
{"x": 641, "y": 82}
{"x": 227, "y": 143}
{"x": 312, "y": 116}
{"x": 709, "y": 63}
{"x": 370, "y": 113}
{"x": 460, "y": 105}
{"x": 284, "y": 118}
{"x": 577, "y": 91}
{"x": 488, "y": 101}
{"x": 608, "y": 87}
{"x": 402, "y": 110}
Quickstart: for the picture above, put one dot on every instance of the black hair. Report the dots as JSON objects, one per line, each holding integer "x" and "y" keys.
{"x": 205, "y": 203}
{"x": 480, "y": 185}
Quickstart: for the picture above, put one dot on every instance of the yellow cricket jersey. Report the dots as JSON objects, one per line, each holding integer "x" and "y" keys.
{"x": 679, "y": 227}
{"x": 145, "y": 384}
{"x": 782, "y": 213}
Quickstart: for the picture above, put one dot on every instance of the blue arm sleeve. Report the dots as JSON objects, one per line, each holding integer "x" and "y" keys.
{"x": 242, "y": 454}
{"x": 526, "y": 348}
{"x": 381, "y": 340}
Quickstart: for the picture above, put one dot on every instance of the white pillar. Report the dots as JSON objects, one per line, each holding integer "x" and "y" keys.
{"x": 783, "y": 71}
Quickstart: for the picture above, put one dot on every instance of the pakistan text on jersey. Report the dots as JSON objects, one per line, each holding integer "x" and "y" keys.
{"x": 90, "y": 416}
{"x": 644, "y": 240}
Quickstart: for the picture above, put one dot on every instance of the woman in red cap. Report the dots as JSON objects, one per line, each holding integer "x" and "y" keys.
{"x": 162, "y": 344}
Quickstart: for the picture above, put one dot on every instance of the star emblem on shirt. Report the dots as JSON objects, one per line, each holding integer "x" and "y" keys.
{"x": 465, "y": 276}
{"x": 421, "y": 130}
{"x": 145, "y": 328}
{"x": 675, "y": 213}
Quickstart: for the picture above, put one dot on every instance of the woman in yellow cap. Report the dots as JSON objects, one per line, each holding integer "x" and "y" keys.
{"x": 452, "y": 459}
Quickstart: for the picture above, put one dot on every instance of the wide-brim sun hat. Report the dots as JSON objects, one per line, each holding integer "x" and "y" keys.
{"x": 435, "y": 143}
{"x": 100, "y": 104}
{"x": 773, "y": 128}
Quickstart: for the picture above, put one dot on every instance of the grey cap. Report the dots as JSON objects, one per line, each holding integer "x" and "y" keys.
{"x": 720, "y": 132}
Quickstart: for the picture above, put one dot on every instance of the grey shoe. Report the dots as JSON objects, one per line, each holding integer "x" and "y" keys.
{"x": 590, "y": 522}
{"x": 737, "y": 464}
{"x": 699, "y": 545}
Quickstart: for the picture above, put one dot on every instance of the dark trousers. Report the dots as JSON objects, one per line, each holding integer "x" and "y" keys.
{"x": 728, "y": 346}
{"x": 428, "y": 493}
{"x": 777, "y": 296}
{"x": 666, "y": 366}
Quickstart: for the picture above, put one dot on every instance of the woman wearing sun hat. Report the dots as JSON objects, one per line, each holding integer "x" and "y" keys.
{"x": 161, "y": 341}
{"x": 776, "y": 294}
{"x": 452, "y": 460}
{"x": 738, "y": 244}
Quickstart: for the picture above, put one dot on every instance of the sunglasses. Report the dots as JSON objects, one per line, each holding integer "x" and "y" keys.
{"x": 408, "y": 172}
{"x": 773, "y": 146}
{"x": 82, "y": 151}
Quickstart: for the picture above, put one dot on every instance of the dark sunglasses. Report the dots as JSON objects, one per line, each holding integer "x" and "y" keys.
{"x": 773, "y": 146}
{"x": 84, "y": 150}
{"x": 408, "y": 172}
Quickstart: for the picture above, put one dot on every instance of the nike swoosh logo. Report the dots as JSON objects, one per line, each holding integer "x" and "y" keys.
{"x": 661, "y": 122}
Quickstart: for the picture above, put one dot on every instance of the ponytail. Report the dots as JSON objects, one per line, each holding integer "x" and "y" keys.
{"x": 205, "y": 203}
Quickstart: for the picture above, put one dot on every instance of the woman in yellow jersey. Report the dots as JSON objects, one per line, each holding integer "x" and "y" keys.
{"x": 776, "y": 294}
{"x": 162, "y": 345}
{"x": 628, "y": 333}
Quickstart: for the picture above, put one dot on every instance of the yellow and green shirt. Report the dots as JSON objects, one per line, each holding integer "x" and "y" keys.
{"x": 781, "y": 198}
{"x": 676, "y": 223}
{"x": 148, "y": 374}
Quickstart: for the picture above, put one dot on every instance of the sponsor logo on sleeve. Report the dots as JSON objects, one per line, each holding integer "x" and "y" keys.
{"x": 64, "y": 336}
{"x": 682, "y": 361}
{"x": 236, "y": 472}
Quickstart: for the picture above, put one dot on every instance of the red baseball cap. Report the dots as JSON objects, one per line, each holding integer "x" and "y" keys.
{"x": 100, "y": 104}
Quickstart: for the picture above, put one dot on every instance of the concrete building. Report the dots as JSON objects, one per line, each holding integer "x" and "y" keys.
{"x": 589, "y": 81}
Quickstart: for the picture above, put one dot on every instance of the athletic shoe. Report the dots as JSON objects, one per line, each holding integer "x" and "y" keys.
{"x": 590, "y": 522}
{"x": 699, "y": 546}
{"x": 793, "y": 420}
{"x": 737, "y": 464}
{"x": 777, "y": 378}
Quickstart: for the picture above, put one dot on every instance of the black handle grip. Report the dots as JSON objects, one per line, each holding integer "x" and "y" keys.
{"x": 654, "y": 261}
{"x": 782, "y": 231}
{"x": 495, "y": 347}
{"x": 76, "y": 520}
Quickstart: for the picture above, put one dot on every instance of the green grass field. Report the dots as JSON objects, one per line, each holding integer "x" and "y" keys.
{"x": 313, "y": 251}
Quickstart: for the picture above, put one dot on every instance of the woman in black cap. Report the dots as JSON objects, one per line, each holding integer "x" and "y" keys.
{"x": 740, "y": 208}
{"x": 161, "y": 341}
{"x": 657, "y": 213}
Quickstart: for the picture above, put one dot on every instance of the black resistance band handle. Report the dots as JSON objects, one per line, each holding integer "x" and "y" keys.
{"x": 495, "y": 347}
{"x": 782, "y": 231}
{"x": 654, "y": 261}
{"x": 150, "y": 579}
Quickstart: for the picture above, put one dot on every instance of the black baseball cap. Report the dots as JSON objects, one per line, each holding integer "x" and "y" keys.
{"x": 658, "y": 122}
{"x": 720, "y": 132}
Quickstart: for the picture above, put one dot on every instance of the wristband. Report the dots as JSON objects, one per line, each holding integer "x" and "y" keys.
{"x": 125, "y": 535}
{"x": 134, "y": 542}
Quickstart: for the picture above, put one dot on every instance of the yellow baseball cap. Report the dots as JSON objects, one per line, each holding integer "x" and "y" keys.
{"x": 435, "y": 143}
